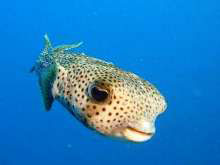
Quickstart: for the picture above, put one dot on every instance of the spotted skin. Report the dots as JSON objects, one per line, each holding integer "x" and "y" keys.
{"x": 130, "y": 102}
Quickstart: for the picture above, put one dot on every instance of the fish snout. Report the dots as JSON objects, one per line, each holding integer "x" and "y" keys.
{"x": 139, "y": 132}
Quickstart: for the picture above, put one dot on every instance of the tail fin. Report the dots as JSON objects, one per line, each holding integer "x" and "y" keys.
{"x": 48, "y": 44}
{"x": 47, "y": 54}
{"x": 47, "y": 48}
{"x": 46, "y": 68}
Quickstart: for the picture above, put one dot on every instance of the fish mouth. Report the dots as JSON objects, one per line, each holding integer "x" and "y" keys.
{"x": 135, "y": 135}
{"x": 140, "y": 131}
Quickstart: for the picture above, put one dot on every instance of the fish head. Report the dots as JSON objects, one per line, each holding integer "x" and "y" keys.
{"x": 113, "y": 102}
{"x": 124, "y": 109}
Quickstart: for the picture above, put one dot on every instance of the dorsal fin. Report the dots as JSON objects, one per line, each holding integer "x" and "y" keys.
{"x": 63, "y": 48}
{"x": 46, "y": 83}
{"x": 48, "y": 46}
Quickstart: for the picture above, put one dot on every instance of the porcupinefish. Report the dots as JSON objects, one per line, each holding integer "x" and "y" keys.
{"x": 103, "y": 97}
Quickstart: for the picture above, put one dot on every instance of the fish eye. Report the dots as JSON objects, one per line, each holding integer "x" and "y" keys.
{"x": 97, "y": 93}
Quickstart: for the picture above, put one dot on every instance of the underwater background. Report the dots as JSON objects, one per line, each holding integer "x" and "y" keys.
{"x": 173, "y": 44}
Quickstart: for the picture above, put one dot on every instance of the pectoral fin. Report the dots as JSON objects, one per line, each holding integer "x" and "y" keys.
{"x": 46, "y": 83}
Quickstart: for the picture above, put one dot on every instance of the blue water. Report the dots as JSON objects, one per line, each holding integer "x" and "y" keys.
{"x": 173, "y": 44}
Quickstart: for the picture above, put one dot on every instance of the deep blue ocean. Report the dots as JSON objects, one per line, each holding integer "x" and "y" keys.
{"x": 173, "y": 44}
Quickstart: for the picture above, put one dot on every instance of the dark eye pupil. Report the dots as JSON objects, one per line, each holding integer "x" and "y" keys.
{"x": 98, "y": 94}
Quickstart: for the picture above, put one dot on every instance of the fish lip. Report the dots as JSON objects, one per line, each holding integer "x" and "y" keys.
{"x": 141, "y": 132}
{"x": 136, "y": 135}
